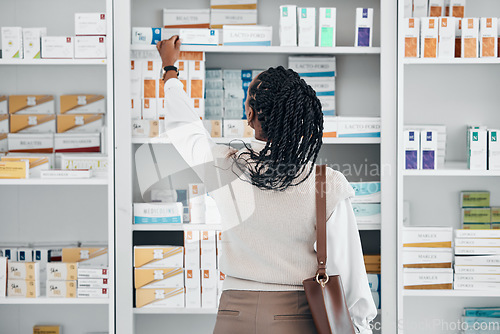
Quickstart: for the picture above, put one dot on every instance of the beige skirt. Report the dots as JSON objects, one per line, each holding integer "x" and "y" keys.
{"x": 262, "y": 312}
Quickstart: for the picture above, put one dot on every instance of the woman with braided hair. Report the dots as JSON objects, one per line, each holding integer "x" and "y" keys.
{"x": 265, "y": 193}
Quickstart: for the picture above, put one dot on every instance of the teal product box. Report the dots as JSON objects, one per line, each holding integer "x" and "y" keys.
{"x": 158, "y": 213}
{"x": 147, "y": 36}
{"x": 367, "y": 213}
{"x": 366, "y": 192}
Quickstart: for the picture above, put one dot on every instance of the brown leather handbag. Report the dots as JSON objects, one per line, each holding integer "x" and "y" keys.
{"x": 325, "y": 294}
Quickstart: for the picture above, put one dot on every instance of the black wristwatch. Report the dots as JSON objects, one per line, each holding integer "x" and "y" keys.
{"x": 170, "y": 68}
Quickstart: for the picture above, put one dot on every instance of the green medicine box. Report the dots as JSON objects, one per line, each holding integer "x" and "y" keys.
{"x": 474, "y": 199}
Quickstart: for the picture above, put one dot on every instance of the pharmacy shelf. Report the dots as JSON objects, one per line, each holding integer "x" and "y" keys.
{"x": 164, "y": 310}
{"x": 453, "y": 168}
{"x": 62, "y": 182}
{"x": 450, "y": 293}
{"x": 176, "y": 227}
{"x": 339, "y": 50}
{"x": 53, "y": 61}
{"x": 53, "y": 301}
{"x": 454, "y": 61}
{"x": 164, "y": 140}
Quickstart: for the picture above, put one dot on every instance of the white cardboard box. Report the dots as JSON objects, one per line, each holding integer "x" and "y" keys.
{"x": 366, "y": 192}
{"x": 208, "y": 259}
{"x": 61, "y": 289}
{"x": 92, "y": 293}
{"x": 3, "y": 277}
{"x": 364, "y": 27}
{"x": 188, "y": 18}
{"x": 307, "y": 26}
{"x": 192, "y": 249}
{"x": 158, "y": 257}
{"x": 61, "y": 271}
{"x": 90, "y": 24}
{"x": 408, "y": 8}
{"x": 161, "y": 297}
{"x": 247, "y": 35}
{"x": 288, "y": 25}
{"x": 220, "y": 17}
{"x": 436, "y": 8}
{"x": 23, "y": 288}
{"x": 192, "y": 277}
{"x": 434, "y": 237}
{"x": 209, "y": 297}
{"x": 193, "y": 297}
{"x": 447, "y": 27}
{"x": 470, "y": 38}
{"x": 412, "y": 37}
{"x": 32, "y": 41}
{"x": 77, "y": 142}
{"x": 493, "y": 150}
{"x": 146, "y": 35}
{"x": 457, "y": 8}
{"x": 489, "y": 37}
{"x": 327, "y": 27}
{"x": 61, "y": 47}
{"x": 12, "y": 43}
{"x": 428, "y": 149}
{"x": 428, "y": 278}
{"x": 419, "y": 257}
{"x": 199, "y": 36}
{"x": 31, "y": 143}
{"x": 477, "y": 157}
{"x": 158, "y": 213}
{"x": 158, "y": 278}
{"x": 310, "y": 66}
{"x": 25, "y": 254}
{"x": 412, "y": 149}
{"x": 429, "y": 37}
{"x": 90, "y": 47}
{"x": 420, "y": 8}
{"x": 93, "y": 273}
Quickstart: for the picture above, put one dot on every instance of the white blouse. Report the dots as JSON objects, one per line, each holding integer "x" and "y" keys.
{"x": 345, "y": 257}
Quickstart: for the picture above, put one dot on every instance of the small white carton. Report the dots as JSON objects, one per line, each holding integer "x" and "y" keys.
{"x": 90, "y": 47}
{"x": 493, "y": 150}
{"x": 247, "y": 35}
{"x": 146, "y": 35}
{"x": 288, "y": 25}
{"x": 158, "y": 278}
{"x": 412, "y": 37}
{"x": 158, "y": 213}
{"x": 12, "y": 43}
{"x": 428, "y": 149}
{"x": 327, "y": 27}
{"x": 90, "y": 24}
{"x": 457, "y": 8}
{"x": 429, "y": 37}
{"x": 23, "y": 288}
{"x": 199, "y": 36}
{"x": 436, "y": 8}
{"x": 470, "y": 38}
{"x": 477, "y": 155}
{"x": 221, "y": 17}
{"x": 61, "y": 47}
{"x": 61, "y": 289}
{"x": 186, "y": 18}
{"x": 420, "y": 8}
{"x": 447, "y": 28}
{"x": 307, "y": 26}
{"x": 412, "y": 149}
{"x": 489, "y": 37}
{"x": 192, "y": 249}
{"x": 32, "y": 41}
{"x": 364, "y": 27}
{"x": 408, "y": 8}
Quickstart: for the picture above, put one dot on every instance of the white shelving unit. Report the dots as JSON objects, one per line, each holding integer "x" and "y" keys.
{"x": 366, "y": 86}
{"x": 433, "y": 93}
{"x": 47, "y": 210}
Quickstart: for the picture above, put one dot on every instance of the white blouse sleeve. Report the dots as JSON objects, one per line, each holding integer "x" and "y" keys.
{"x": 184, "y": 127}
{"x": 345, "y": 258}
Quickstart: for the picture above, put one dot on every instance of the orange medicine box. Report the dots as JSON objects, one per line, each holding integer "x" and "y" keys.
{"x": 457, "y": 8}
{"x": 31, "y": 104}
{"x": 489, "y": 37}
{"x": 470, "y": 38}
{"x": 412, "y": 37}
{"x": 46, "y": 329}
{"x": 429, "y": 37}
{"x": 436, "y": 8}
{"x": 32, "y": 123}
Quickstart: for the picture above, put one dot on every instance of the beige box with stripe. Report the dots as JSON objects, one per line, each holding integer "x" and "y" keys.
{"x": 80, "y": 123}
{"x": 82, "y": 104}
{"x": 432, "y": 237}
{"x": 428, "y": 279}
{"x": 166, "y": 297}
{"x": 86, "y": 256}
{"x": 32, "y": 123}
{"x": 61, "y": 289}
{"x": 158, "y": 256}
{"x": 159, "y": 278}
{"x": 420, "y": 257}
{"x": 31, "y": 104}
{"x": 23, "y": 270}
{"x": 4, "y": 123}
{"x": 60, "y": 271}
{"x": 23, "y": 288}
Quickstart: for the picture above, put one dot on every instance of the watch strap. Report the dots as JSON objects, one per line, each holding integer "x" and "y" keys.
{"x": 170, "y": 68}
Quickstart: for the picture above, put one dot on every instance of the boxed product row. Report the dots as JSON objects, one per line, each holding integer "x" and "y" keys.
{"x": 477, "y": 214}
{"x": 420, "y": 149}
{"x": 48, "y": 165}
{"x": 483, "y": 148}
{"x": 47, "y": 143}
{"x": 449, "y": 37}
{"x": 45, "y": 104}
{"x": 433, "y": 8}
{"x": 49, "y": 124}
{"x": 351, "y": 127}
{"x": 33, "y": 43}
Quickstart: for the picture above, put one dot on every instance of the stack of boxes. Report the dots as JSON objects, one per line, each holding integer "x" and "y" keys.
{"x": 158, "y": 276}
{"x": 483, "y": 148}
{"x": 424, "y": 146}
{"x": 31, "y": 130}
{"x": 427, "y": 258}
{"x": 373, "y": 268}
{"x": 23, "y": 279}
{"x": 366, "y": 203}
{"x": 436, "y": 30}
{"x": 477, "y": 260}
{"x": 33, "y": 43}
{"x": 477, "y": 214}
{"x": 62, "y": 280}
{"x": 148, "y": 106}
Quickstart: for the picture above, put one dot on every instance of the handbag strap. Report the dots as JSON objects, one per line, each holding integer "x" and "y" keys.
{"x": 321, "y": 219}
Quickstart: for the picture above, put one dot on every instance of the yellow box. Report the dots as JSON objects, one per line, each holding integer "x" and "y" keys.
{"x": 46, "y": 329}
{"x": 32, "y": 123}
{"x": 36, "y": 163}
{"x": 166, "y": 297}
{"x": 159, "y": 278}
{"x": 82, "y": 104}
{"x": 81, "y": 123}
{"x": 31, "y": 104}
{"x": 14, "y": 169}
{"x": 86, "y": 256}
{"x": 158, "y": 256}
{"x": 61, "y": 289}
